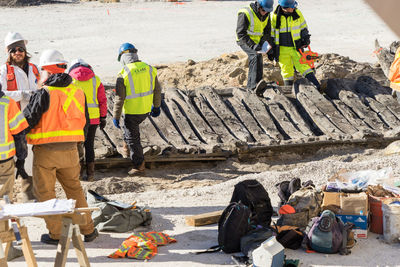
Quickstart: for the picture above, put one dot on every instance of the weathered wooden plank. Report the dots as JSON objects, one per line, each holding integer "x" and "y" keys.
{"x": 291, "y": 110}
{"x": 234, "y": 126}
{"x": 259, "y": 112}
{"x": 181, "y": 122}
{"x": 385, "y": 57}
{"x": 385, "y": 114}
{"x": 344, "y": 90}
{"x": 167, "y": 129}
{"x": 350, "y": 115}
{"x": 326, "y": 107}
{"x": 213, "y": 120}
{"x": 282, "y": 119}
{"x": 258, "y": 134}
{"x": 204, "y": 218}
{"x": 389, "y": 102}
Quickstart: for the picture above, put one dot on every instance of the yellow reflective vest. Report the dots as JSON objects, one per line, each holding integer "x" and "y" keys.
{"x": 64, "y": 120}
{"x": 256, "y": 26}
{"x": 89, "y": 87}
{"x": 289, "y": 25}
{"x": 139, "y": 79}
{"x": 11, "y": 123}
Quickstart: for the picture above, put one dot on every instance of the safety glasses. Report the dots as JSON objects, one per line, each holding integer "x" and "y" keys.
{"x": 19, "y": 49}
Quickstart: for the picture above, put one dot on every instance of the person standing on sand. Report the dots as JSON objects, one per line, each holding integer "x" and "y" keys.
{"x": 84, "y": 77}
{"x": 138, "y": 94}
{"x": 252, "y": 31}
{"x": 290, "y": 33}
{"x": 57, "y": 115}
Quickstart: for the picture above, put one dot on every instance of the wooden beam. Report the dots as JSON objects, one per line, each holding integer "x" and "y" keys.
{"x": 204, "y": 218}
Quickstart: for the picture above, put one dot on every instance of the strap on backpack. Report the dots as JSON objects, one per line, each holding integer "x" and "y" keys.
{"x": 212, "y": 249}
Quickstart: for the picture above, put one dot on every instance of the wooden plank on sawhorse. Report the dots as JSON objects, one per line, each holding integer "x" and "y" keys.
{"x": 7, "y": 236}
{"x": 70, "y": 232}
{"x": 204, "y": 218}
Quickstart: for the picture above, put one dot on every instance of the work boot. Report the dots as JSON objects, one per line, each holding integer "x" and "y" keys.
{"x": 137, "y": 170}
{"x": 311, "y": 77}
{"x": 45, "y": 238}
{"x": 26, "y": 193}
{"x": 260, "y": 88}
{"x": 287, "y": 82}
{"x": 14, "y": 253}
{"x": 92, "y": 236}
{"x": 90, "y": 171}
{"x": 82, "y": 172}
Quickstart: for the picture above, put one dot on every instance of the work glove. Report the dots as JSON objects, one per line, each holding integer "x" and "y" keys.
{"x": 20, "y": 165}
{"x": 394, "y": 94}
{"x": 155, "y": 112}
{"x": 116, "y": 123}
{"x": 103, "y": 122}
{"x": 256, "y": 47}
{"x": 26, "y": 95}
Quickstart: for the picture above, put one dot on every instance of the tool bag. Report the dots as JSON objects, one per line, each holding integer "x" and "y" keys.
{"x": 252, "y": 194}
{"x": 328, "y": 234}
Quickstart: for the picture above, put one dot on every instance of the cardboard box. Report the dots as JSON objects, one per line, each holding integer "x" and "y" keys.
{"x": 349, "y": 203}
{"x": 360, "y": 224}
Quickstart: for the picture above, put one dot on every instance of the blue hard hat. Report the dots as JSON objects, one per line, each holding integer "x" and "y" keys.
{"x": 126, "y": 47}
{"x": 288, "y": 3}
{"x": 267, "y": 5}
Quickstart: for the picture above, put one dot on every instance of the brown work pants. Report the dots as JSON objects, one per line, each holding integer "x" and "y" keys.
{"x": 7, "y": 177}
{"x": 51, "y": 162}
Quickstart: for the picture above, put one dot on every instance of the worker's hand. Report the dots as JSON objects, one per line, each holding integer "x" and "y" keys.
{"x": 26, "y": 95}
{"x": 116, "y": 123}
{"x": 20, "y": 165}
{"x": 155, "y": 112}
{"x": 103, "y": 122}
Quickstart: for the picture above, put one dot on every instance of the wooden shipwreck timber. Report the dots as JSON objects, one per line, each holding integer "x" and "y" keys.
{"x": 209, "y": 124}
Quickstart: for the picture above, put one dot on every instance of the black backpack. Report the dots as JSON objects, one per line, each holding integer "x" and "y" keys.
{"x": 233, "y": 224}
{"x": 252, "y": 194}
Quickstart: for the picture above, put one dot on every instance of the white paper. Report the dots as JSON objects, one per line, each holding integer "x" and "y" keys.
{"x": 265, "y": 48}
{"x": 49, "y": 207}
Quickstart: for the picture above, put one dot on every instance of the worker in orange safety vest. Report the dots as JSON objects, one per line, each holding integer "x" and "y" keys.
{"x": 394, "y": 75}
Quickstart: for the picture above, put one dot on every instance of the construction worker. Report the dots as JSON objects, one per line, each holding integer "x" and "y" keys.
{"x": 57, "y": 115}
{"x": 96, "y": 100}
{"x": 252, "y": 30}
{"x": 290, "y": 33}
{"x": 19, "y": 79}
{"x": 394, "y": 75}
{"x": 138, "y": 93}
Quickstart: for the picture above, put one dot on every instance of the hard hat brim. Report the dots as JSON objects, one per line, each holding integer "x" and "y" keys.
{"x": 55, "y": 63}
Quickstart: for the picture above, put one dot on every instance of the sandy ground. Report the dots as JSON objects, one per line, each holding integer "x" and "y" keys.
{"x": 168, "y": 32}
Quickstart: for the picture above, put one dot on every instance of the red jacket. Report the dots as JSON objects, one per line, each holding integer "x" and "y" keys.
{"x": 82, "y": 73}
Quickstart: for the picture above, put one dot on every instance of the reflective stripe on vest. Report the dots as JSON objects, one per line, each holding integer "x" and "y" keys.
{"x": 139, "y": 80}
{"x": 394, "y": 72}
{"x": 293, "y": 26}
{"x": 90, "y": 89}
{"x": 7, "y": 147}
{"x": 256, "y": 27}
{"x": 56, "y": 126}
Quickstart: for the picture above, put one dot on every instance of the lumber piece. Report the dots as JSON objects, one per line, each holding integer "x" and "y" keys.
{"x": 196, "y": 122}
{"x": 389, "y": 102}
{"x": 259, "y": 112}
{"x": 385, "y": 114}
{"x": 257, "y": 133}
{"x": 345, "y": 91}
{"x": 204, "y": 218}
{"x": 213, "y": 120}
{"x": 167, "y": 129}
{"x": 327, "y": 108}
{"x": 282, "y": 119}
{"x": 234, "y": 126}
{"x": 385, "y": 57}
{"x": 292, "y": 112}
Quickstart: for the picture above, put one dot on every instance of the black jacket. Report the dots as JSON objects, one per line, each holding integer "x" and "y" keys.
{"x": 40, "y": 101}
{"x": 243, "y": 24}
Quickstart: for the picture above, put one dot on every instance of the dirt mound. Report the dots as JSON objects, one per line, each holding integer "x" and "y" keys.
{"x": 230, "y": 70}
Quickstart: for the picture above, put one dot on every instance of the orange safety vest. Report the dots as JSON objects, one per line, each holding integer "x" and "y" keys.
{"x": 64, "y": 120}
{"x": 394, "y": 73}
{"x": 11, "y": 123}
{"x": 12, "y": 82}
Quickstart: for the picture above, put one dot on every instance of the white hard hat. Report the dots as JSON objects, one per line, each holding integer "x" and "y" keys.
{"x": 51, "y": 57}
{"x": 78, "y": 61}
{"x": 13, "y": 37}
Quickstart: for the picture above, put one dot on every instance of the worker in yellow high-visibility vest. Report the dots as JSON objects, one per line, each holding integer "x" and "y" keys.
{"x": 252, "y": 31}
{"x": 290, "y": 33}
{"x": 138, "y": 94}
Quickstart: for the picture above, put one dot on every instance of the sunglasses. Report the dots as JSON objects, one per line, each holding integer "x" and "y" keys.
{"x": 19, "y": 49}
